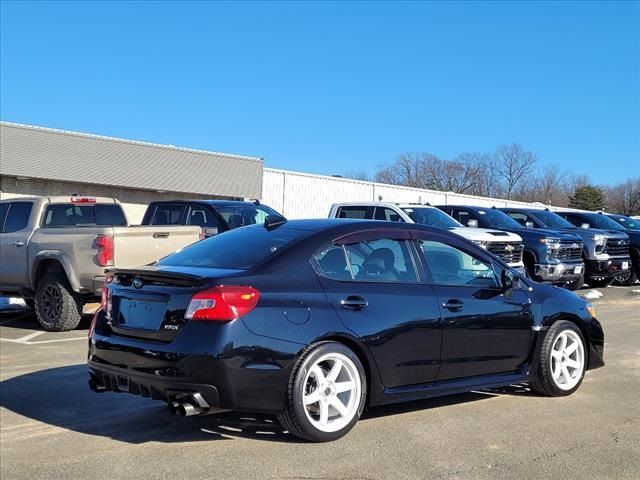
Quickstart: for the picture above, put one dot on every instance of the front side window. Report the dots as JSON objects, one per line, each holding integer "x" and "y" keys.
{"x": 241, "y": 215}
{"x": 451, "y": 266}
{"x": 387, "y": 214}
{"x": 17, "y": 217}
{"x": 521, "y": 218}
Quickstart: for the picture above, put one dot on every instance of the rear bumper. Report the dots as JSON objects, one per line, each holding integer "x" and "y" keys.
{"x": 103, "y": 378}
{"x": 559, "y": 272}
{"x": 607, "y": 268}
{"x": 231, "y": 368}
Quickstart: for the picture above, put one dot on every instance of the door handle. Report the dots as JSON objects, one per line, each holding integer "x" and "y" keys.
{"x": 353, "y": 302}
{"x": 453, "y": 305}
{"x": 18, "y": 243}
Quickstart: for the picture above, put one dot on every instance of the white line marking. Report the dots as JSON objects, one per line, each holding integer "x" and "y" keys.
{"x": 40, "y": 342}
{"x": 29, "y": 337}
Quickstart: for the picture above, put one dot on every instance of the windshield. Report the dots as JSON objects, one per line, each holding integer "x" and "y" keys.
{"x": 627, "y": 222}
{"x": 431, "y": 217}
{"x": 553, "y": 220}
{"x": 237, "y": 249}
{"x": 498, "y": 219}
{"x": 603, "y": 222}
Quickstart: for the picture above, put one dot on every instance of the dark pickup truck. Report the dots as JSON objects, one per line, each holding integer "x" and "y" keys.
{"x": 632, "y": 228}
{"x": 604, "y": 252}
{"x": 550, "y": 256}
{"x": 213, "y": 216}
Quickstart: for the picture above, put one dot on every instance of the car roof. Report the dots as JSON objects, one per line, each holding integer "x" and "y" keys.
{"x": 318, "y": 224}
{"x": 210, "y": 201}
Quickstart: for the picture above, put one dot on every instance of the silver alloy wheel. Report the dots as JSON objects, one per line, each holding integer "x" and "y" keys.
{"x": 332, "y": 390}
{"x": 567, "y": 359}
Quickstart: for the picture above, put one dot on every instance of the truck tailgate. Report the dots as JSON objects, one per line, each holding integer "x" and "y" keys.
{"x": 140, "y": 245}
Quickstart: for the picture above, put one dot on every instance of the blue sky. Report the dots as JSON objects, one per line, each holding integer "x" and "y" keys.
{"x": 333, "y": 87}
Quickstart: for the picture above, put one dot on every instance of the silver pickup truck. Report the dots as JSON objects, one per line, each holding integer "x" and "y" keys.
{"x": 53, "y": 251}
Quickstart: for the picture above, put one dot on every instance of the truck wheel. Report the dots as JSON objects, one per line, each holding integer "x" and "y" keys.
{"x": 601, "y": 283}
{"x": 562, "y": 360}
{"x": 326, "y": 393}
{"x": 57, "y": 306}
{"x": 576, "y": 284}
{"x": 626, "y": 279}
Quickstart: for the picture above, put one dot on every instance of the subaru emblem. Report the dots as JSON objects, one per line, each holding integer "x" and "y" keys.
{"x": 137, "y": 283}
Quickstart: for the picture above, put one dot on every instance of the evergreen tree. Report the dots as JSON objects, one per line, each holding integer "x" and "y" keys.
{"x": 587, "y": 197}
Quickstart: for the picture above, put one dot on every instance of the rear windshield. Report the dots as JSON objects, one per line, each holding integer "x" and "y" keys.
{"x": 68, "y": 215}
{"x": 241, "y": 248}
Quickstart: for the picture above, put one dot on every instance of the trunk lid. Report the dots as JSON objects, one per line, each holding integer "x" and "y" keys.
{"x": 150, "y": 302}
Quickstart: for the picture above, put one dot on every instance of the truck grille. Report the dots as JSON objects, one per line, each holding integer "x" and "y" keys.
{"x": 569, "y": 251}
{"x": 509, "y": 252}
{"x": 617, "y": 248}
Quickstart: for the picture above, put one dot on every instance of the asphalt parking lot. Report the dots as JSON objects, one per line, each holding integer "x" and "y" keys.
{"x": 52, "y": 426}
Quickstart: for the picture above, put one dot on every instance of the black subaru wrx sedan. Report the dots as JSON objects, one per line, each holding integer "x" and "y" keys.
{"x": 313, "y": 320}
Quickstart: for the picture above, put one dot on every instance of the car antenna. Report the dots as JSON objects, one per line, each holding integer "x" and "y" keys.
{"x": 274, "y": 221}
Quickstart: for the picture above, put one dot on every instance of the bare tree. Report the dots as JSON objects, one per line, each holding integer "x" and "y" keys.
{"x": 512, "y": 164}
{"x": 624, "y": 197}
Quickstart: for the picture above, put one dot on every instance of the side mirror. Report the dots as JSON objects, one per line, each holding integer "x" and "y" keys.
{"x": 585, "y": 225}
{"x": 528, "y": 224}
{"x": 510, "y": 280}
{"x": 472, "y": 224}
{"x": 210, "y": 231}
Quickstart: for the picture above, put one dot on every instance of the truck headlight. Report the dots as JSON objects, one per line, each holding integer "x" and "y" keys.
{"x": 599, "y": 239}
{"x": 481, "y": 243}
{"x": 551, "y": 243}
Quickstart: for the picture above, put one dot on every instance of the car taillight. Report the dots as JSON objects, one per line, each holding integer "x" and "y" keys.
{"x": 105, "y": 305}
{"x": 104, "y": 256}
{"x": 222, "y": 303}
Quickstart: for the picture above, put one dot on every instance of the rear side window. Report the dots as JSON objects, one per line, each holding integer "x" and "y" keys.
{"x": 16, "y": 216}
{"x": 167, "y": 215}
{"x": 203, "y": 217}
{"x": 359, "y": 212}
{"x": 382, "y": 260}
{"x": 236, "y": 249}
{"x": 69, "y": 215}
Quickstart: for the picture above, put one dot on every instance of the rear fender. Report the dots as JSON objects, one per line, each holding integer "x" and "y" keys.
{"x": 53, "y": 256}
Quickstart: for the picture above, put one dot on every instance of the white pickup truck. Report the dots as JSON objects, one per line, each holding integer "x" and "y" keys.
{"x": 54, "y": 250}
{"x": 507, "y": 246}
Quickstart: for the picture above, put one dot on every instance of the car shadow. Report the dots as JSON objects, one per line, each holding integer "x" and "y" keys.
{"x": 26, "y": 320}
{"x": 60, "y": 397}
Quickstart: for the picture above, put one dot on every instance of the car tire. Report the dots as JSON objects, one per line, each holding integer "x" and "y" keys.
{"x": 600, "y": 283}
{"x": 562, "y": 360}
{"x": 58, "y": 308}
{"x": 576, "y": 284}
{"x": 326, "y": 373}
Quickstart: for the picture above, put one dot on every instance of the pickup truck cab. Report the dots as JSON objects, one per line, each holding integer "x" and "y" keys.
{"x": 600, "y": 265}
{"x": 213, "y": 216}
{"x": 507, "y": 246}
{"x": 550, "y": 256}
{"x": 54, "y": 250}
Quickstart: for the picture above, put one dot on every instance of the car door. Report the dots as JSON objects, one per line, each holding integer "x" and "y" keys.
{"x": 485, "y": 329}
{"x": 374, "y": 284}
{"x": 14, "y": 239}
